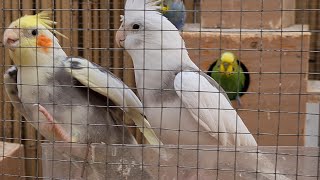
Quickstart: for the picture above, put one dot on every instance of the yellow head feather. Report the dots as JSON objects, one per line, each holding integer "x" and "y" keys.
{"x": 43, "y": 18}
{"x": 163, "y": 7}
{"x": 228, "y": 60}
{"x": 227, "y": 57}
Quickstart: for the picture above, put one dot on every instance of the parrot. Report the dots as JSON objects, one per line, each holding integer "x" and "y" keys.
{"x": 175, "y": 11}
{"x": 61, "y": 135}
{"x": 184, "y": 103}
{"x": 69, "y": 99}
{"x": 227, "y": 71}
{"x": 71, "y": 93}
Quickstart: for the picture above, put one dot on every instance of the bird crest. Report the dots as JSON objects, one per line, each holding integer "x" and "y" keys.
{"x": 43, "y": 18}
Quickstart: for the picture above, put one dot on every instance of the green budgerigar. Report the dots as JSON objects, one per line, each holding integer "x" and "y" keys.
{"x": 228, "y": 72}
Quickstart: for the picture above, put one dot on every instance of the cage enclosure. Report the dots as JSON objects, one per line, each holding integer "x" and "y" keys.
{"x": 275, "y": 41}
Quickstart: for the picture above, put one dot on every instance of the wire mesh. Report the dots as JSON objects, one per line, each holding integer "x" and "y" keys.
{"x": 89, "y": 129}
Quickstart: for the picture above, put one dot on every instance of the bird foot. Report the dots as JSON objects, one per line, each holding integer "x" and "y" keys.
{"x": 45, "y": 113}
{"x": 55, "y": 129}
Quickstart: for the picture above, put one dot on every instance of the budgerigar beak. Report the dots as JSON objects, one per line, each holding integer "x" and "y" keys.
{"x": 226, "y": 68}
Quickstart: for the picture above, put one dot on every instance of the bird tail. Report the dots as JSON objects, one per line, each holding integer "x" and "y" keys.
{"x": 145, "y": 128}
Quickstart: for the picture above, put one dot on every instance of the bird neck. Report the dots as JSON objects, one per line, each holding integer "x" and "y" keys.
{"x": 33, "y": 57}
{"x": 33, "y": 68}
{"x": 153, "y": 67}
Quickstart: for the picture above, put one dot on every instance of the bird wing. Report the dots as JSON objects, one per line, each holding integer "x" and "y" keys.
{"x": 10, "y": 84}
{"x": 215, "y": 84}
{"x": 211, "y": 109}
{"x": 107, "y": 84}
{"x": 47, "y": 129}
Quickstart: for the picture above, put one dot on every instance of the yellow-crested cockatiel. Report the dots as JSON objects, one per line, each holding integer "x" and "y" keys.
{"x": 74, "y": 91}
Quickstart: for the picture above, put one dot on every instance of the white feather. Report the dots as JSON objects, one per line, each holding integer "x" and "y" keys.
{"x": 210, "y": 107}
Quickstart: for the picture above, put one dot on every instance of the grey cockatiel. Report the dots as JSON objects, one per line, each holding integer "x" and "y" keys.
{"x": 74, "y": 91}
{"x": 188, "y": 106}
{"x": 70, "y": 99}
{"x": 74, "y": 153}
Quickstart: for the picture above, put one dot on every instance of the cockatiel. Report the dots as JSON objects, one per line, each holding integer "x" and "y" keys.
{"x": 175, "y": 11}
{"x": 74, "y": 91}
{"x": 228, "y": 72}
{"x": 187, "y": 105}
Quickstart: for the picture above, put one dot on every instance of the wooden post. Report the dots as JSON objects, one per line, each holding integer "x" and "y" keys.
{"x": 313, "y": 17}
{"x": 95, "y": 12}
{"x": 87, "y": 29}
{"x": 105, "y": 33}
{"x": 189, "y": 5}
{"x": 117, "y": 55}
{"x": 5, "y": 109}
{"x": 65, "y": 25}
{"x": 30, "y": 134}
{"x": 16, "y": 119}
{"x": 3, "y": 16}
{"x": 74, "y": 38}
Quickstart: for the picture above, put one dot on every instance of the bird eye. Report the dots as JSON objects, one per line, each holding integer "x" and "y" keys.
{"x": 34, "y": 32}
{"x": 136, "y": 26}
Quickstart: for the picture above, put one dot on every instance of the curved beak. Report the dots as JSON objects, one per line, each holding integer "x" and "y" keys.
{"x": 120, "y": 37}
{"x": 11, "y": 38}
{"x": 226, "y": 68}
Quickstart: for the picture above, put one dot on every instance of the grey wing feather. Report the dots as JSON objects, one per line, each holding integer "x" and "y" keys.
{"x": 10, "y": 84}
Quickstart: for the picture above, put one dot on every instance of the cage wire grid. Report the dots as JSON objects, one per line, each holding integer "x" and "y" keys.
{"x": 275, "y": 42}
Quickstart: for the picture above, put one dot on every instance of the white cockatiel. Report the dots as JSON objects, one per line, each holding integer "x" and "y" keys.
{"x": 186, "y": 106}
{"x": 182, "y": 103}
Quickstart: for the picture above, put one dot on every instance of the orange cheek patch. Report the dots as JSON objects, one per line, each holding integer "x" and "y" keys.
{"x": 44, "y": 42}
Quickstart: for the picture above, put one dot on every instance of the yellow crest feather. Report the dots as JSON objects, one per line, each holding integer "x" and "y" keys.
{"x": 43, "y": 18}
